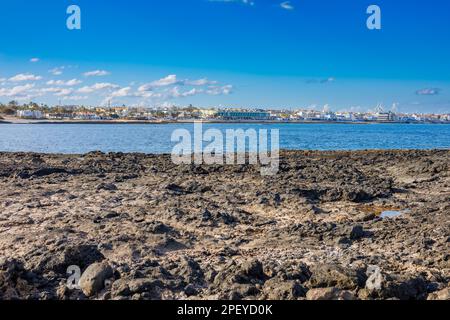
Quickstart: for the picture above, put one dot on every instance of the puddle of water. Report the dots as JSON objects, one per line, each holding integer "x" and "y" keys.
{"x": 392, "y": 214}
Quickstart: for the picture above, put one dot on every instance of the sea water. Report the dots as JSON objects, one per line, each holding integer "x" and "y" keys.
{"x": 156, "y": 138}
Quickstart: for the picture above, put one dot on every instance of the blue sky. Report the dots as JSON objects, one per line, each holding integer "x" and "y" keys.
{"x": 250, "y": 53}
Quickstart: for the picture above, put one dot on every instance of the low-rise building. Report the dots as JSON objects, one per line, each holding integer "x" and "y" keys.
{"x": 30, "y": 114}
{"x": 385, "y": 116}
{"x": 206, "y": 113}
{"x": 86, "y": 116}
{"x": 244, "y": 115}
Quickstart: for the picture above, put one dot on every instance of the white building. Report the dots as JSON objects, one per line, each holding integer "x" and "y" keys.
{"x": 385, "y": 116}
{"x": 30, "y": 114}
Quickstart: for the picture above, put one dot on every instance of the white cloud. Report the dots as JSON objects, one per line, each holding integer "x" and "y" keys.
{"x": 76, "y": 98}
{"x": 246, "y": 2}
{"x": 50, "y": 90}
{"x": 120, "y": 93}
{"x": 193, "y": 92}
{"x": 173, "y": 89}
{"x": 56, "y": 91}
{"x": 287, "y": 5}
{"x": 96, "y": 73}
{"x": 163, "y": 82}
{"x": 123, "y": 92}
{"x": 217, "y": 90}
{"x": 147, "y": 94}
{"x": 98, "y": 87}
{"x": 55, "y": 71}
{"x": 25, "y": 77}
{"x": 34, "y": 60}
{"x": 154, "y": 92}
{"x": 200, "y": 82}
{"x": 64, "y": 92}
{"x": 69, "y": 83}
{"x": 171, "y": 80}
{"x": 145, "y": 87}
{"x": 73, "y": 82}
{"x": 59, "y": 70}
{"x": 212, "y": 90}
{"x": 16, "y": 91}
{"x": 428, "y": 92}
{"x": 321, "y": 81}
{"x": 86, "y": 89}
{"x": 176, "y": 93}
{"x": 167, "y": 81}
{"x": 327, "y": 80}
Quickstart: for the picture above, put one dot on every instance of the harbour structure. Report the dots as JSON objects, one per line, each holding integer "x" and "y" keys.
{"x": 244, "y": 115}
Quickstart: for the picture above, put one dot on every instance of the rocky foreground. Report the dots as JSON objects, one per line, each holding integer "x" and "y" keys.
{"x": 140, "y": 227}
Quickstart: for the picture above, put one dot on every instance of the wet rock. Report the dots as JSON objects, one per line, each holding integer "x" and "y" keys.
{"x": 190, "y": 290}
{"x": 357, "y": 232}
{"x": 289, "y": 270}
{"x": 175, "y": 189}
{"x": 210, "y": 275}
{"x": 253, "y": 269}
{"x": 62, "y": 292}
{"x": 376, "y": 280}
{"x": 356, "y": 195}
{"x": 364, "y": 217}
{"x": 125, "y": 177}
{"x": 168, "y": 244}
{"x": 27, "y": 173}
{"x": 225, "y": 218}
{"x": 207, "y": 216}
{"x": 47, "y": 171}
{"x": 81, "y": 256}
{"x": 13, "y": 284}
{"x": 278, "y": 289}
{"x": 228, "y": 252}
{"x": 157, "y": 227}
{"x": 107, "y": 187}
{"x": 330, "y": 275}
{"x": 129, "y": 287}
{"x": 344, "y": 242}
{"x": 247, "y": 272}
{"x": 190, "y": 270}
{"x": 277, "y": 199}
{"x": 443, "y": 294}
{"x": 93, "y": 279}
{"x": 239, "y": 291}
{"x": 196, "y": 187}
{"x": 111, "y": 215}
{"x": 329, "y": 294}
{"x": 382, "y": 286}
{"x": 311, "y": 209}
{"x": 406, "y": 289}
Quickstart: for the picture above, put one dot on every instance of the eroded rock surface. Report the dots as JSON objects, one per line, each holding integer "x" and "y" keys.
{"x": 156, "y": 230}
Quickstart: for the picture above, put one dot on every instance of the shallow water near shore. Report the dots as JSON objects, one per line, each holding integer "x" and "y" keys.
{"x": 156, "y": 138}
{"x": 392, "y": 214}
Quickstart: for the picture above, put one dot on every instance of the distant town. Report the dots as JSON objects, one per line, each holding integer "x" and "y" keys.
{"x": 14, "y": 112}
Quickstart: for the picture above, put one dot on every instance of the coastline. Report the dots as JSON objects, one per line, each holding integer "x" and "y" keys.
{"x": 25, "y": 121}
{"x": 151, "y": 122}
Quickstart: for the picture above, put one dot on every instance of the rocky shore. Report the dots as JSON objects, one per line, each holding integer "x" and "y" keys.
{"x": 140, "y": 227}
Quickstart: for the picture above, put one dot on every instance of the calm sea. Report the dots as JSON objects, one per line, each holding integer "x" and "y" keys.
{"x": 149, "y": 138}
